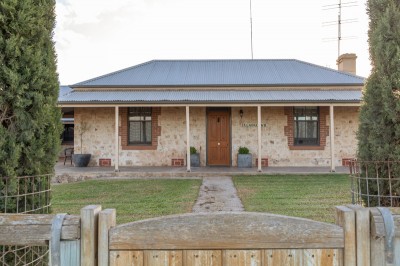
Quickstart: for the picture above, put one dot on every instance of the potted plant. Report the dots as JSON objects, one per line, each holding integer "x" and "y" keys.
{"x": 194, "y": 157}
{"x": 81, "y": 159}
{"x": 244, "y": 158}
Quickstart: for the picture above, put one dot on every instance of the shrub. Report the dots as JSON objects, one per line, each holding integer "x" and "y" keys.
{"x": 244, "y": 150}
{"x": 193, "y": 150}
{"x": 379, "y": 129}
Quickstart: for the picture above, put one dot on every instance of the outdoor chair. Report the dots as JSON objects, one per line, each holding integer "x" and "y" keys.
{"x": 68, "y": 152}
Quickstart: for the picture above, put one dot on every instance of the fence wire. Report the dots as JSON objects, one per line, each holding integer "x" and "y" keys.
{"x": 25, "y": 195}
{"x": 375, "y": 183}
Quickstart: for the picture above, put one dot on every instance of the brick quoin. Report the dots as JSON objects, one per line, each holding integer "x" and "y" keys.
{"x": 155, "y": 130}
{"x": 323, "y": 129}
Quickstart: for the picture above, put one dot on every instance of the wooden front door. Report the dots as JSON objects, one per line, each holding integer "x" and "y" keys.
{"x": 218, "y": 134}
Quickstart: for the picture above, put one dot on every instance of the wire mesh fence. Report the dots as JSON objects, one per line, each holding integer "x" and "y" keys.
{"x": 25, "y": 195}
{"x": 375, "y": 183}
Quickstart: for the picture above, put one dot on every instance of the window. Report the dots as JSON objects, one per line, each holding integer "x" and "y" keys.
{"x": 68, "y": 134}
{"x": 306, "y": 126}
{"x": 139, "y": 125}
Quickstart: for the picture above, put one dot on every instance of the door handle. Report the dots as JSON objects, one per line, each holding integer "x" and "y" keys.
{"x": 219, "y": 143}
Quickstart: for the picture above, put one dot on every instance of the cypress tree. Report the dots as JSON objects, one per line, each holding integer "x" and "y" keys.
{"x": 379, "y": 129}
{"x": 29, "y": 118}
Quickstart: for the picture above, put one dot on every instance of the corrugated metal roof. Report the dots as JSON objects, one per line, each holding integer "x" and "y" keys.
{"x": 274, "y": 72}
{"x": 64, "y": 90}
{"x": 210, "y": 96}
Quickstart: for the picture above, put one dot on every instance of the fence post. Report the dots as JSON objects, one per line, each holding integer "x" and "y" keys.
{"x": 363, "y": 232}
{"x": 89, "y": 226}
{"x": 106, "y": 221}
{"x": 345, "y": 217}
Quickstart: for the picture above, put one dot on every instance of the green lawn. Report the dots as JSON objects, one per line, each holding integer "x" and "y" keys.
{"x": 133, "y": 199}
{"x": 309, "y": 196}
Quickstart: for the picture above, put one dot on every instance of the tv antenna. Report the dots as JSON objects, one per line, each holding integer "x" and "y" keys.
{"x": 340, "y": 21}
{"x": 251, "y": 32}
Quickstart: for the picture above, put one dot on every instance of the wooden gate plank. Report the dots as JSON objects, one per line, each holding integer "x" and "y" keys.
{"x": 242, "y": 258}
{"x": 328, "y": 257}
{"x": 306, "y": 257}
{"x": 276, "y": 257}
{"x": 122, "y": 258}
{"x": 163, "y": 258}
{"x": 202, "y": 257}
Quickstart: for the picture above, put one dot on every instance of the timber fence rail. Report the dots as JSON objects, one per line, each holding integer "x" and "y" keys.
{"x": 25, "y": 195}
{"x": 361, "y": 236}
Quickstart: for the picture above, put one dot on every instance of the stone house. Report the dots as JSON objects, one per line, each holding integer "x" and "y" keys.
{"x": 287, "y": 112}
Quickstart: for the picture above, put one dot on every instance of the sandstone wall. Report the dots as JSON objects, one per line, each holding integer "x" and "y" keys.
{"x": 99, "y": 139}
{"x": 275, "y": 143}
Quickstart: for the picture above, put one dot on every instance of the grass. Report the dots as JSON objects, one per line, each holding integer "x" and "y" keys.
{"x": 309, "y": 196}
{"x": 133, "y": 199}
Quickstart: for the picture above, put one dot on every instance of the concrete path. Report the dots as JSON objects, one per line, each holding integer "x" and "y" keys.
{"x": 217, "y": 194}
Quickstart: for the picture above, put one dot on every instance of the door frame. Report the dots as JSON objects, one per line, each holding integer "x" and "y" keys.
{"x": 229, "y": 111}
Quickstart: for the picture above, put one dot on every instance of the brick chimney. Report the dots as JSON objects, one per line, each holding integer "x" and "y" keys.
{"x": 347, "y": 63}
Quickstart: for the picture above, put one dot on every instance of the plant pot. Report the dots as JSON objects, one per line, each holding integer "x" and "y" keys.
{"x": 195, "y": 160}
{"x": 81, "y": 160}
{"x": 244, "y": 160}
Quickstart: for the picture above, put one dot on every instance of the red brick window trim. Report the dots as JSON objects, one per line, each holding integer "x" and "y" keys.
{"x": 155, "y": 130}
{"x": 323, "y": 129}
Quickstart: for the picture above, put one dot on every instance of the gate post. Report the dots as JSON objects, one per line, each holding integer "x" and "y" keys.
{"x": 363, "y": 243}
{"x": 106, "y": 221}
{"x": 89, "y": 225}
{"x": 345, "y": 217}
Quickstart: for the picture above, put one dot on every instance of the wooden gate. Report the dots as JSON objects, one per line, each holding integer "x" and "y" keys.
{"x": 226, "y": 239}
{"x": 362, "y": 237}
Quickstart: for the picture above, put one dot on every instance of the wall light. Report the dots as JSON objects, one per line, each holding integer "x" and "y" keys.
{"x": 241, "y": 113}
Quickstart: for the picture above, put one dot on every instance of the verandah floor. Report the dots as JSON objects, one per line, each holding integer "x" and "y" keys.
{"x": 82, "y": 173}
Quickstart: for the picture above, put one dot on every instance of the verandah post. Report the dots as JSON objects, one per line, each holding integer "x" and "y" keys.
{"x": 116, "y": 159}
{"x": 332, "y": 137}
{"x": 187, "y": 139}
{"x": 259, "y": 137}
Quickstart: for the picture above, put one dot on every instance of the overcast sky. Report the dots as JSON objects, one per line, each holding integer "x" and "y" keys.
{"x": 96, "y": 37}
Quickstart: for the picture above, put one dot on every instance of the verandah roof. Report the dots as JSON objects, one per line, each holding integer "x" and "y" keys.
{"x": 211, "y": 96}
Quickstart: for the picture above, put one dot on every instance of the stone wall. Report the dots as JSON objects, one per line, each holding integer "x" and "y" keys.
{"x": 99, "y": 139}
{"x": 275, "y": 143}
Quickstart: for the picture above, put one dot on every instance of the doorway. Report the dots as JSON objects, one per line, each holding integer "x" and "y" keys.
{"x": 218, "y": 137}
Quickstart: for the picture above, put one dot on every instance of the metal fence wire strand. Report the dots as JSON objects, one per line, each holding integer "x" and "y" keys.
{"x": 25, "y": 195}
{"x": 375, "y": 183}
